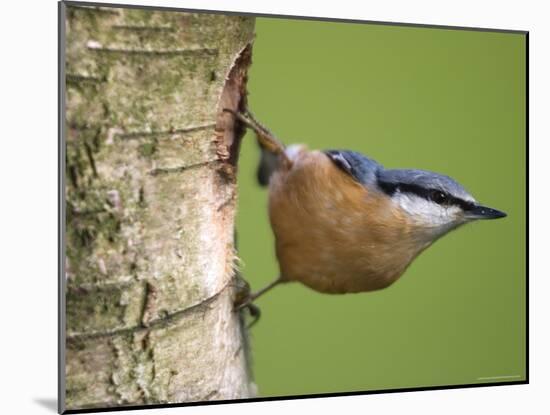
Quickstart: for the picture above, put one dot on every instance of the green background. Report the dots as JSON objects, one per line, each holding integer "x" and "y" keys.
{"x": 450, "y": 101}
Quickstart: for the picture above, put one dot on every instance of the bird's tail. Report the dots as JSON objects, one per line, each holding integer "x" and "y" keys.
{"x": 272, "y": 150}
{"x": 266, "y": 166}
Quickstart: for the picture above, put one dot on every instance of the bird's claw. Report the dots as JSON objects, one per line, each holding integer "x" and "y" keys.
{"x": 244, "y": 300}
{"x": 255, "y": 313}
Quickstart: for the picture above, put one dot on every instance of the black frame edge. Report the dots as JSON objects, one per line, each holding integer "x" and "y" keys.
{"x": 290, "y": 397}
{"x": 61, "y": 283}
{"x": 527, "y": 206}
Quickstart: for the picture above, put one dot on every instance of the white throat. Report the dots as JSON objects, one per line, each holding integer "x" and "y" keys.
{"x": 433, "y": 219}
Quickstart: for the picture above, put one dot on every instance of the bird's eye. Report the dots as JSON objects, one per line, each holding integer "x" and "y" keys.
{"x": 438, "y": 197}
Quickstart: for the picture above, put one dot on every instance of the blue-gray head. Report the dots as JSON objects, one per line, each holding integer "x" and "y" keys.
{"x": 434, "y": 202}
{"x": 432, "y": 199}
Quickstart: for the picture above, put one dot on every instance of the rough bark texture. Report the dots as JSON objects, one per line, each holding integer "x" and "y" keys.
{"x": 150, "y": 203}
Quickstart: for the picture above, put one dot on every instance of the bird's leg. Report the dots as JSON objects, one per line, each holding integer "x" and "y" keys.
{"x": 244, "y": 299}
{"x": 265, "y": 137}
{"x": 255, "y": 313}
{"x": 248, "y": 300}
{"x": 242, "y": 294}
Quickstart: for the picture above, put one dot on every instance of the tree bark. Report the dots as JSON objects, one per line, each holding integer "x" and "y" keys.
{"x": 150, "y": 204}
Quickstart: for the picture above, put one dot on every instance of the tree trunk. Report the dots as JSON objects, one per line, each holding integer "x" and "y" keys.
{"x": 150, "y": 202}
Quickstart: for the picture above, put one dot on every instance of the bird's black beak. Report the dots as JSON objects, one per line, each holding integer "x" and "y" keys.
{"x": 484, "y": 212}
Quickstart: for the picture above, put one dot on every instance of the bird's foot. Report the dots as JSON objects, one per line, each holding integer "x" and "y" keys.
{"x": 243, "y": 300}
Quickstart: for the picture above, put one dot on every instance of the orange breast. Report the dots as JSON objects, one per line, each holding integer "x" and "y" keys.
{"x": 331, "y": 233}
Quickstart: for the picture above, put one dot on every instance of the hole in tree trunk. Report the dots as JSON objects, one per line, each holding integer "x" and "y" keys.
{"x": 234, "y": 96}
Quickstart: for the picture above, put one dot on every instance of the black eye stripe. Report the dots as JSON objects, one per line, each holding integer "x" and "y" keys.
{"x": 428, "y": 194}
{"x": 439, "y": 197}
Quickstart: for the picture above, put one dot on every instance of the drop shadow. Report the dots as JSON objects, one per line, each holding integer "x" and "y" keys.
{"x": 48, "y": 403}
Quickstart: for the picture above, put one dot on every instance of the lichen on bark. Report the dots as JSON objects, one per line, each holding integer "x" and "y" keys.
{"x": 150, "y": 202}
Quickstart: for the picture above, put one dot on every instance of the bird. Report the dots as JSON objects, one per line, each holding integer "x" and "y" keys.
{"x": 345, "y": 224}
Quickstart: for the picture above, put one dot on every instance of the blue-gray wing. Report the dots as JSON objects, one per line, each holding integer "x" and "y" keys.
{"x": 358, "y": 166}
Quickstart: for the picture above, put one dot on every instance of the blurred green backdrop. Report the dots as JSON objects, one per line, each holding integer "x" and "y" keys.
{"x": 450, "y": 101}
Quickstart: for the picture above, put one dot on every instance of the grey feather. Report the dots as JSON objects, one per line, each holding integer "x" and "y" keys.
{"x": 424, "y": 179}
{"x": 360, "y": 167}
{"x": 371, "y": 173}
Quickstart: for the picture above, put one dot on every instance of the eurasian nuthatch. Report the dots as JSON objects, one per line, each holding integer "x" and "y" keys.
{"x": 343, "y": 223}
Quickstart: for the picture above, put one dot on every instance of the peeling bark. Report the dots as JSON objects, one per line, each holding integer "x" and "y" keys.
{"x": 150, "y": 204}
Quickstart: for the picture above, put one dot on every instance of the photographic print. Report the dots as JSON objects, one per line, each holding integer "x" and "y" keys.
{"x": 258, "y": 207}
